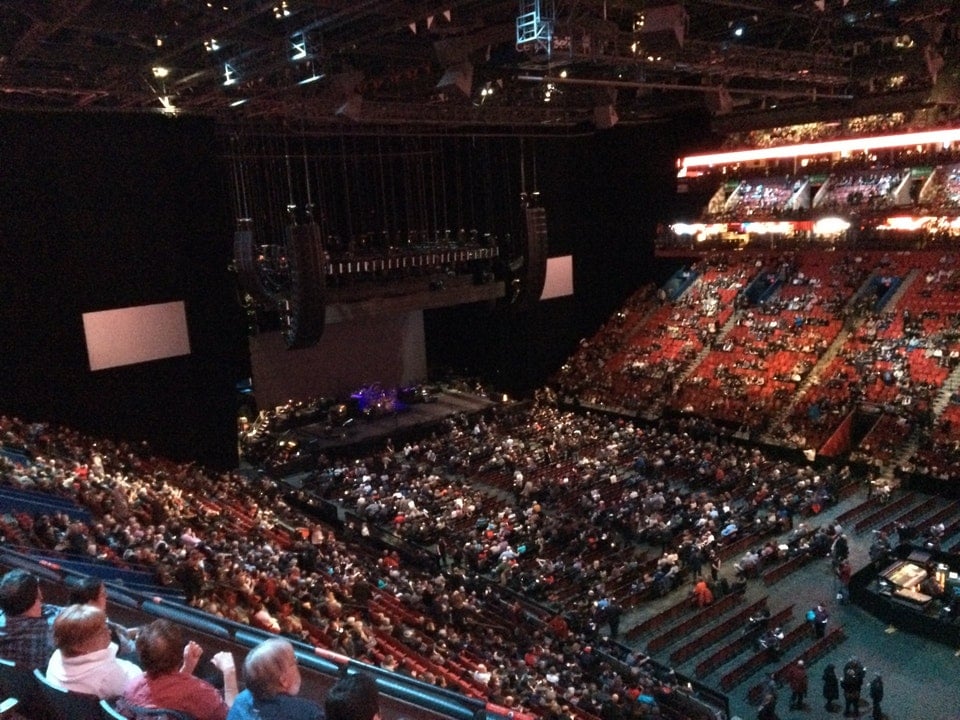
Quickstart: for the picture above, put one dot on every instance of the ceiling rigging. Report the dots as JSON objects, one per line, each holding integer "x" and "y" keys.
{"x": 474, "y": 65}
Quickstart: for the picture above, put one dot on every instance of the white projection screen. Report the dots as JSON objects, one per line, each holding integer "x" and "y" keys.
{"x": 559, "y": 282}
{"x": 125, "y": 336}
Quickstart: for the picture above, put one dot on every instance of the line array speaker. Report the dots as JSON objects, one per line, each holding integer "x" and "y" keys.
{"x": 307, "y": 299}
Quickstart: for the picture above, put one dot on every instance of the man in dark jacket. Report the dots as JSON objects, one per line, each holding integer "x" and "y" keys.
{"x": 831, "y": 687}
{"x": 876, "y": 696}
{"x": 852, "y": 684}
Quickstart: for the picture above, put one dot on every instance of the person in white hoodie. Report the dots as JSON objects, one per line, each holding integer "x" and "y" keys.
{"x": 85, "y": 660}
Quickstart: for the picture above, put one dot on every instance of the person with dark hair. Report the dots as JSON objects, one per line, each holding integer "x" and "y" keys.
{"x": 876, "y": 696}
{"x": 355, "y": 697}
{"x": 26, "y": 637}
{"x": 819, "y": 616}
{"x": 768, "y": 708}
{"x": 273, "y": 680}
{"x": 87, "y": 590}
{"x": 852, "y": 684}
{"x": 831, "y": 686}
{"x": 168, "y": 681}
{"x": 86, "y": 660}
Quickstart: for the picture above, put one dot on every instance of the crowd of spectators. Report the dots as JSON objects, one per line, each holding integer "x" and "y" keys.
{"x": 881, "y": 124}
{"x": 526, "y": 499}
{"x": 804, "y": 340}
{"x": 633, "y": 369}
{"x": 497, "y": 554}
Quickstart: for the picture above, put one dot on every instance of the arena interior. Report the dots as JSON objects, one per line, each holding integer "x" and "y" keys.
{"x": 575, "y": 361}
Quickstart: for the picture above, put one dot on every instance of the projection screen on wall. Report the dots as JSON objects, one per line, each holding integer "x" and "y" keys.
{"x": 559, "y": 281}
{"x": 125, "y": 336}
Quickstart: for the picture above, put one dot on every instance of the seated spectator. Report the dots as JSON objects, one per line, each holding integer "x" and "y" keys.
{"x": 356, "y": 697}
{"x": 168, "y": 681}
{"x": 85, "y": 660}
{"x": 273, "y": 680}
{"x": 26, "y": 637}
{"x": 86, "y": 590}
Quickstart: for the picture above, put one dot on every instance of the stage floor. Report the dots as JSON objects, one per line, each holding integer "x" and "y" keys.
{"x": 416, "y": 418}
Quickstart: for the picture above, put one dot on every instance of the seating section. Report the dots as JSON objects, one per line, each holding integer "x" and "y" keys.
{"x": 540, "y": 511}
{"x": 870, "y": 189}
{"x": 756, "y": 198}
{"x": 64, "y": 705}
{"x": 795, "y": 361}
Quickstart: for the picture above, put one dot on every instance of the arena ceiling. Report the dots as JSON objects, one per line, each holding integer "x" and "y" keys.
{"x": 477, "y": 65}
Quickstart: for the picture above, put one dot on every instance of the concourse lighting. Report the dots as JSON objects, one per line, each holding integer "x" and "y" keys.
{"x": 229, "y": 74}
{"x": 160, "y": 72}
{"x": 830, "y": 226}
{"x": 687, "y": 228}
{"x": 211, "y": 45}
{"x": 238, "y": 103}
{"x": 906, "y": 222}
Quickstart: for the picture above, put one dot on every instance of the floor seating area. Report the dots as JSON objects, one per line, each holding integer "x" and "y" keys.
{"x": 739, "y": 645}
{"x": 821, "y": 647}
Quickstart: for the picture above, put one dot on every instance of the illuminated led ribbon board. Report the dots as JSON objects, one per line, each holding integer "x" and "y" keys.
{"x": 944, "y": 137}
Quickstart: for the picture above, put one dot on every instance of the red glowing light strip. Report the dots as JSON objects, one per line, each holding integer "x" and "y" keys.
{"x": 930, "y": 137}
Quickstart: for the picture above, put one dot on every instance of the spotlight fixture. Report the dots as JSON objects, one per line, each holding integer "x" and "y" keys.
{"x": 167, "y": 106}
{"x": 229, "y": 74}
{"x": 160, "y": 72}
{"x": 299, "y": 45}
{"x": 211, "y": 45}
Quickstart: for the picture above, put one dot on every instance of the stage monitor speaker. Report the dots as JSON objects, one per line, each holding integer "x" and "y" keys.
{"x": 352, "y": 108}
{"x": 664, "y": 27}
{"x": 459, "y": 76}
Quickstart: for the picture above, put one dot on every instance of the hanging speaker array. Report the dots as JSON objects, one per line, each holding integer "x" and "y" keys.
{"x": 250, "y": 268}
{"x": 306, "y": 300}
{"x": 535, "y": 257}
{"x": 382, "y": 225}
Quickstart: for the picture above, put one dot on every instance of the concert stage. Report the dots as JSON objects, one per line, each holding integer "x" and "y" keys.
{"x": 369, "y": 433}
{"x": 414, "y": 419}
{"x": 916, "y": 589}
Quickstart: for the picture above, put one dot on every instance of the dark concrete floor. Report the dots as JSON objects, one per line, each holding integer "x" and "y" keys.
{"x": 921, "y": 677}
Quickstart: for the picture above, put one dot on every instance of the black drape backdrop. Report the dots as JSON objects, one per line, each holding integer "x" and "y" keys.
{"x": 101, "y": 211}
{"x": 604, "y": 194}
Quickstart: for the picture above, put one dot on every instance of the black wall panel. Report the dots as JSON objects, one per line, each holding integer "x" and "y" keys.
{"x": 100, "y": 211}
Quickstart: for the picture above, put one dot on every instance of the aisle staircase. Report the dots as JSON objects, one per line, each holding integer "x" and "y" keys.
{"x": 815, "y": 375}
{"x": 692, "y": 366}
{"x": 950, "y": 386}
